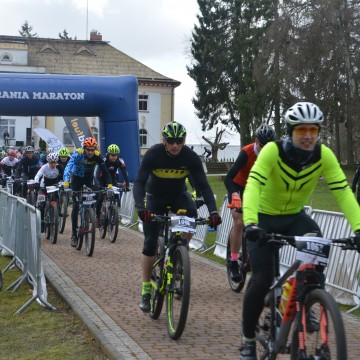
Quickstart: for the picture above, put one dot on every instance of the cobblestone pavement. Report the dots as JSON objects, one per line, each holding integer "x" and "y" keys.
{"x": 105, "y": 291}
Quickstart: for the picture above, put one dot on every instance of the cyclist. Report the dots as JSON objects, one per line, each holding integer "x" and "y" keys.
{"x": 279, "y": 185}
{"x": 162, "y": 175}
{"x": 27, "y": 167}
{"x": 64, "y": 158}
{"x": 81, "y": 166}
{"x": 48, "y": 175}
{"x": 235, "y": 181}
{"x": 8, "y": 166}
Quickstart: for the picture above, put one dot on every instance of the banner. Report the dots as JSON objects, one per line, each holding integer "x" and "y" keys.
{"x": 79, "y": 129}
{"x": 52, "y": 141}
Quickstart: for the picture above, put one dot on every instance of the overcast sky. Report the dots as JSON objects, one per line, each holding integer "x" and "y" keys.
{"x": 154, "y": 32}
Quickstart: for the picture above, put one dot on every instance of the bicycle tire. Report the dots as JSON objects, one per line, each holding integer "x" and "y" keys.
{"x": 81, "y": 229}
{"x": 47, "y": 221}
{"x": 54, "y": 222}
{"x": 330, "y": 320}
{"x": 64, "y": 202}
{"x": 113, "y": 223}
{"x": 178, "y": 296}
{"x": 89, "y": 235}
{"x": 103, "y": 221}
{"x": 156, "y": 280}
{"x": 236, "y": 286}
{"x": 31, "y": 198}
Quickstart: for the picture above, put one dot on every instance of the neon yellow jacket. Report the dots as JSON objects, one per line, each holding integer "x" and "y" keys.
{"x": 277, "y": 186}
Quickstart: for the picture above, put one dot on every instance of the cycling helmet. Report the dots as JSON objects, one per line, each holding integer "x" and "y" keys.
{"x": 304, "y": 113}
{"x": 173, "y": 130}
{"x": 265, "y": 133}
{"x": 12, "y": 152}
{"x": 29, "y": 149}
{"x": 64, "y": 152}
{"x": 52, "y": 157}
{"x": 113, "y": 149}
{"x": 89, "y": 141}
{"x": 50, "y": 150}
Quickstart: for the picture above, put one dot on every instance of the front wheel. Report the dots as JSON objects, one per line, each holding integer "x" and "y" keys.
{"x": 64, "y": 209}
{"x": 53, "y": 222}
{"x": 103, "y": 223}
{"x": 325, "y": 333}
{"x": 89, "y": 234}
{"x": 178, "y": 293}
{"x": 113, "y": 223}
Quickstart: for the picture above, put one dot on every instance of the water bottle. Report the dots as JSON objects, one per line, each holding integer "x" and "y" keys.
{"x": 285, "y": 295}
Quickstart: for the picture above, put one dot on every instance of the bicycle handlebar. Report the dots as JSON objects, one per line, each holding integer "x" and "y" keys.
{"x": 165, "y": 218}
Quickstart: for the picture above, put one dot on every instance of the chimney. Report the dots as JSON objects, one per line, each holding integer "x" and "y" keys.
{"x": 95, "y": 36}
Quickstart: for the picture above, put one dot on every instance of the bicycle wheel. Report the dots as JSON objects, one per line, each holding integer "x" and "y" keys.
{"x": 64, "y": 202}
{"x": 156, "y": 280}
{"x": 113, "y": 224}
{"x": 81, "y": 229}
{"x": 53, "y": 222}
{"x": 327, "y": 341}
{"x": 31, "y": 198}
{"x": 47, "y": 220}
{"x": 89, "y": 234}
{"x": 243, "y": 266}
{"x": 178, "y": 295}
{"x": 103, "y": 221}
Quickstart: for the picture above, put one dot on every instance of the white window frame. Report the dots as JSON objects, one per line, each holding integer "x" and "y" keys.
{"x": 143, "y": 103}
{"x": 143, "y": 135}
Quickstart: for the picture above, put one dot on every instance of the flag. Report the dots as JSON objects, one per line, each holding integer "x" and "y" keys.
{"x": 52, "y": 141}
{"x": 79, "y": 129}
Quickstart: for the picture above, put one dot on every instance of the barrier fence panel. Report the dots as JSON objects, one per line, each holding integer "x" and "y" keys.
{"x": 21, "y": 236}
{"x": 198, "y": 240}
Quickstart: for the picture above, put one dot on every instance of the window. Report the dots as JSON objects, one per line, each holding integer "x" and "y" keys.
{"x": 143, "y": 102}
{"x": 67, "y": 140}
{"x": 143, "y": 137}
{"x": 6, "y": 58}
{"x": 9, "y": 125}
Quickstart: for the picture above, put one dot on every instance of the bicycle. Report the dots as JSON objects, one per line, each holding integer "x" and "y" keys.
{"x": 31, "y": 192}
{"x": 170, "y": 277}
{"x": 243, "y": 262}
{"x": 109, "y": 214}
{"x": 51, "y": 212}
{"x": 307, "y": 301}
{"x": 86, "y": 220}
{"x": 64, "y": 197}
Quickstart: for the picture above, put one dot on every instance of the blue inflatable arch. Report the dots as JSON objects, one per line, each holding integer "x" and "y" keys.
{"x": 112, "y": 98}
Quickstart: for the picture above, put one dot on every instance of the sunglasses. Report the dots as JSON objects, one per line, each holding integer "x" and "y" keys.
{"x": 90, "y": 150}
{"x": 300, "y": 130}
{"x": 173, "y": 141}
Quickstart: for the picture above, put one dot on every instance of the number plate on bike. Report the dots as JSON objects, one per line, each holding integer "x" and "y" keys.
{"x": 312, "y": 250}
{"x": 183, "y": 223}
{"x": 88, "y": 199}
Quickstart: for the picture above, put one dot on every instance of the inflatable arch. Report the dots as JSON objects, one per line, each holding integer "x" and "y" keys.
{"x": 114, "y": 99}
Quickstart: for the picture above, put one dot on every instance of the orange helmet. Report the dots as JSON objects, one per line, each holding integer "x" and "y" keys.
{"x": 90, "y": 142}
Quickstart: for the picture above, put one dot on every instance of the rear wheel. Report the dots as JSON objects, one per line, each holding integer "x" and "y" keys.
{"x": 89, "y": 234}
{"x": 178, "y": 295}
{"x": 113, "y": 224}
{"x": 157, "y": 296}
{"x": 244, "y": 266}
{"x": 64, "y": 201}
{"x": 81, "y": 230}
{"x": 53, "y": 222}
{"x": 325, "y": 333}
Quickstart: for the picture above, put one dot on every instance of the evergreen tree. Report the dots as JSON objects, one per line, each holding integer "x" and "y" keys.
{"x": 26, "y": 30}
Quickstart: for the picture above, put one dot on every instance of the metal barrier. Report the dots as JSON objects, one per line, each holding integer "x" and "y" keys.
{"x": 198, "y": 240}
{"x": 20, "y": 236}
{"x": 127, "y": 209}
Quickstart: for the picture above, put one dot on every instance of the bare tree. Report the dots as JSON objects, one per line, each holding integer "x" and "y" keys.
{"x": 26, "y": 30}
{"x": 216, "y": 145}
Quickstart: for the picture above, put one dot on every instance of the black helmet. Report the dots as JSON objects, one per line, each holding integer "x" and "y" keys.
{"x": 173, "y": 130}
{"x": 265, "y": 133}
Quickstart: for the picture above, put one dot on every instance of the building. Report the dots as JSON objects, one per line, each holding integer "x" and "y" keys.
{"x": 93, "y": 57}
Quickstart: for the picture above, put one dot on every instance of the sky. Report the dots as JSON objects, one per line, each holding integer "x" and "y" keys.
{"x": 155, "y": 32}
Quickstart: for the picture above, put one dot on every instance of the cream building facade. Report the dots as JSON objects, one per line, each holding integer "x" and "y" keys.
{"x": 93, "y": 57}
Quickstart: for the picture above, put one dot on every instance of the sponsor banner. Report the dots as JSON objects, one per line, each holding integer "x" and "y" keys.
{"x": 52, "y": 141}
{"x": 79, "y": 129}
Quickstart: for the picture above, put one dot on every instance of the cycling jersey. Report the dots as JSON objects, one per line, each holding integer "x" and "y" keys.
{"x": 82, "y": 166}
{"x": 283, "y": 187}
{"x": 7, "y": 165}
{"x": 48, "y": 176}
{"x": 27, "y": 168}
{"x": 163, "y": 175}
{"x": 113, "y": 167}
{"x": 239, "y": 172}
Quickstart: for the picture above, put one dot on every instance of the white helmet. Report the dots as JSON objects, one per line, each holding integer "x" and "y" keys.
{"x": 52, "y": 157}
{"x": 304, "y": 113}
